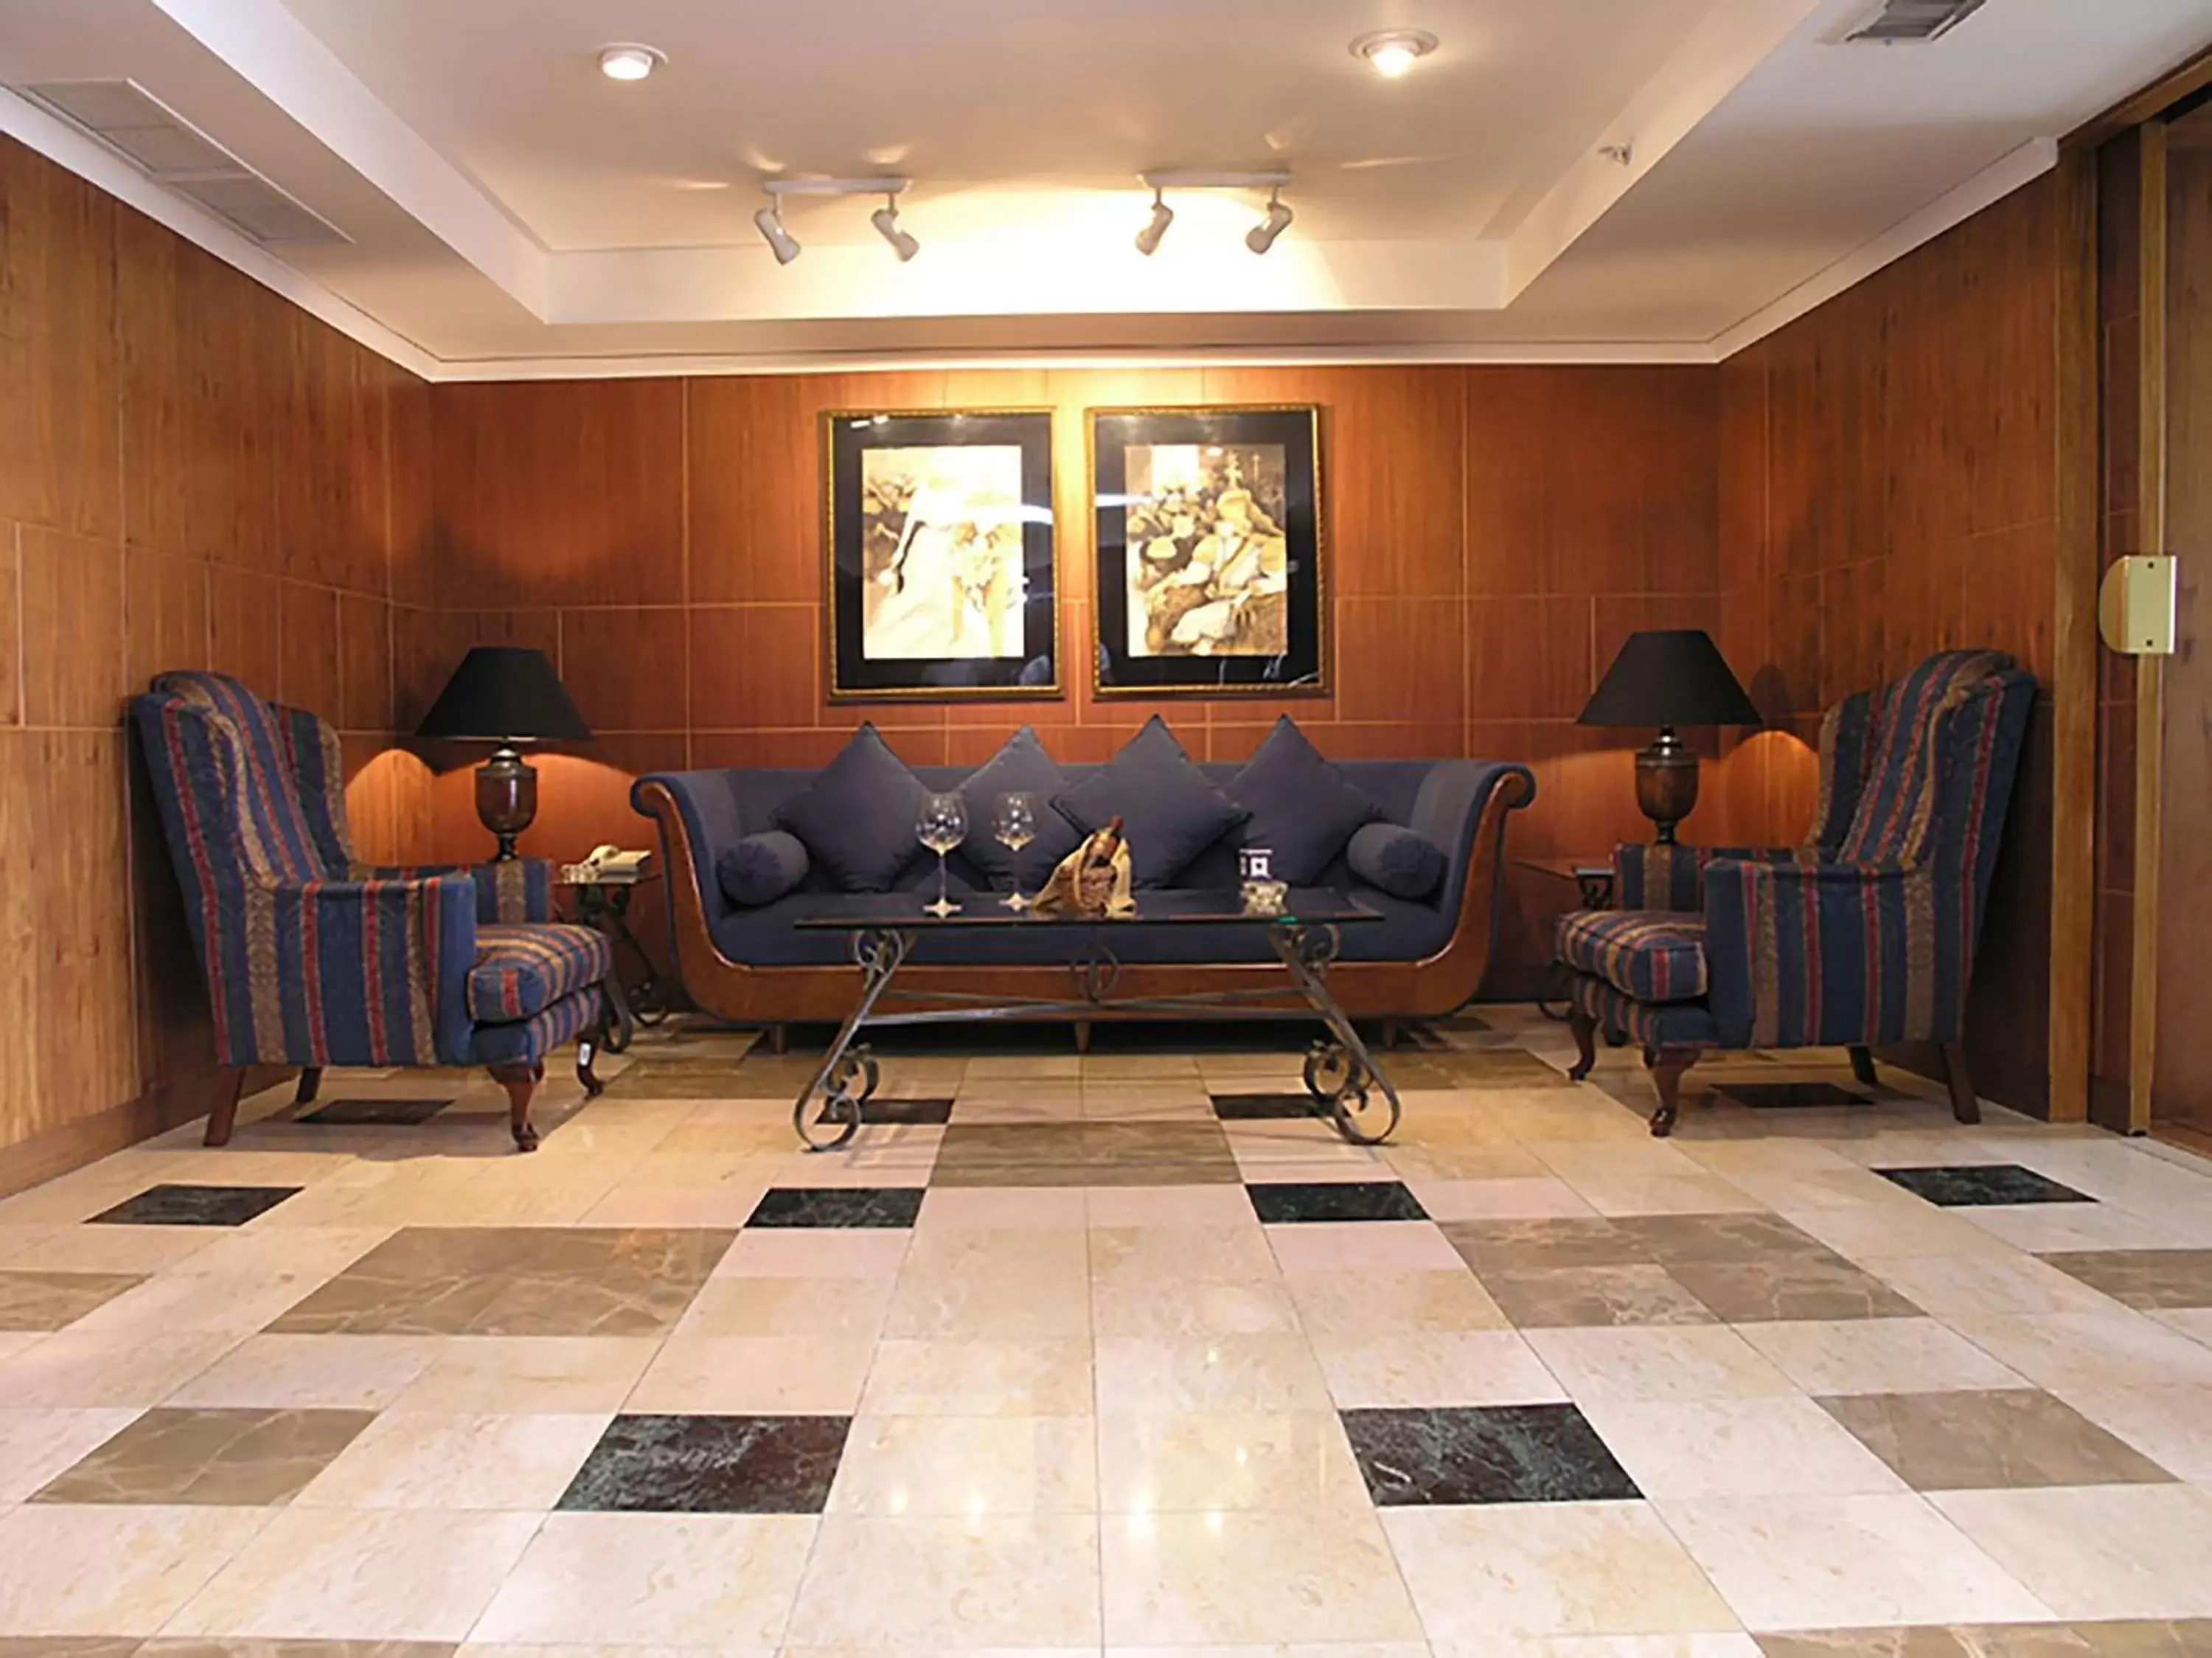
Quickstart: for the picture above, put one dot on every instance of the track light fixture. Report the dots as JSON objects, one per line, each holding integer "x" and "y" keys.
{"x": 1148, "y": 238}
{"x": 885, "y": 219}
{"x": 1261, "y": 236}
{"x": 769, "y": 219}
{"x": 780, "y": 241}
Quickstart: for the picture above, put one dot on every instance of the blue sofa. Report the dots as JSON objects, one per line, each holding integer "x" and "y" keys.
{"x": 751, "y": 965}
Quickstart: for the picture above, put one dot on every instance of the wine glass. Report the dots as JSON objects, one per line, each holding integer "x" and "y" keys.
{"x": 941, "y": 825}
{"x": 1015, "y": 827}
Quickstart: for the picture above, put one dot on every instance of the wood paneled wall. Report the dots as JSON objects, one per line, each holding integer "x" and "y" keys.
{"x": 192, "y": 474}
{"x": 1494, "y": 534}
{"x": 1890, "y": 488}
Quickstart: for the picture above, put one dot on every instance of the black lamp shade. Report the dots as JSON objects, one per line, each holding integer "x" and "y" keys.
{"x": 504, "y": 694}
{"x": 1672, "y": 676}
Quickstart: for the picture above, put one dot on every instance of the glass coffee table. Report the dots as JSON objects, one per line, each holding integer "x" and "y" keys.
{"x": 1346, "y": 1083}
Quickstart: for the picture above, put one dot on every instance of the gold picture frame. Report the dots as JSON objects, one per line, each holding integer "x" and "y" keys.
{"x": 990, "y": 572}
{"x": 1251, "y": 475}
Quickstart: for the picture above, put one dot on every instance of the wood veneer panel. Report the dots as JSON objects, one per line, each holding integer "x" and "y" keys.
{"x": 365, "y": 647}
{"x": 625, "y": 667}
{"x": 1529, "y": 658}
{"x": 559, "y": 492}
{"x": 246, "y": 634}
{"x": 310, "y": 675}
{"x": 11, "y": 630}
{"x": 60, "y": 380}
{"x": 331, "y": 461}
{"x": 756, "y": 515}
{"x": 73, "y": 662}
{"x": 755, "y": 666}
{"x": 165, "y": 614}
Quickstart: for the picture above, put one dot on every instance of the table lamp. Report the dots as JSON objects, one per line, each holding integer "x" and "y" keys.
{"x": 1668, "y": 677}
{"x": 505, "y": 695}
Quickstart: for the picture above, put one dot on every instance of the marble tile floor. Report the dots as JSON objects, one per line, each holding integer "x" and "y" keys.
{"x": 1123, "y": 1353}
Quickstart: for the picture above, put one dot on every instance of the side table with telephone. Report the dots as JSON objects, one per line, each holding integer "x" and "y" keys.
{"x": 1594, "y": 880}
{"x": 602, "y": 884}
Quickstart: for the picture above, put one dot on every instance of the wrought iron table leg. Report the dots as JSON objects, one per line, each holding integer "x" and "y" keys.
{"x": 880, "y": 954}
{"x": 1306, "y": 954}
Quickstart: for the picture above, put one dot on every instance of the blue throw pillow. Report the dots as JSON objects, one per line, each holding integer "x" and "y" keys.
{"x": 1021, "y": 764}
{"x": 1169, "y": 812}
{"x": 1394, "y": 858}
{"x": 1303, "y": 809}
{"x": 761, "y": 868}
{"x": 857, "y": 818}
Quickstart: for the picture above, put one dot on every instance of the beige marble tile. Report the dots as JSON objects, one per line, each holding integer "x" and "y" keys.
{"x": 1170, "y": 1309}
{"x": 408, "y": 1459}
{"x": 1199, "y": 1462}
{"x": 979, "y": 1378}
{"x": 1473, "y": 1163}
{"x": 35, "y": 1445}
{"x": 1708, "y": 1362}
{"x": 234, "y": 1303}
{"x": 1175, "y": 1206}
{"x": 302, "y": 1372}
{"x": 1478, "y": 1574}
{"x": 1803, "y": 1562}
{"x": 1383, "y": 1302}
{"x": 360, "y": 1574}
{"x": 2171, "y": 1426}
{"x": 2121, "y": 1349}
{"x": 754, "y": 1375}
{"x": 1222, "y": 1373}
{"x": 634, "y": 1579}
{"x": 637, "y": 1204}
{"x": 151, "y": 1562}
{"x": 1364, "y": 1246}
{"x": 55, "y": 1301}
{"x": 1450, "y": 1367}
{"x": 95, "y": 1367}
{"x": 2094, "y": 1552}
{"x": 1875, "y": 1232}
{"x": 1000, "y": 1294}
{"x": 1877, "y": 1355}
{"x": 829, "y": 1308}
{"x": 1146, "y": 1255}
{"x": 992, "y": 1581}
{"x": 311, "y": 1253}
{"x": 234, "y": 1458}
{"x": 815, "y": 1252}
{"x": 1737, "y": 1447}
{"x": 477, "y": 1375}
{"x": 968, "y": 1466}
{"x": 1602, "y": 1646}
{"x": 2047, "y": 1229}
{"x": 132, "y": 1249}
{"x": 1232, "y": 1576}
{"x": 1997, "y": 1282}
{"x": 1003, "y": 1208}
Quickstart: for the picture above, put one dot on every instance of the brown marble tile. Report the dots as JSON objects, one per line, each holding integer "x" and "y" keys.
{"x": 1546, "y": 1245}
{"x": 50, "y": 1301}
{"x": 1933, "y": 1641}
{"x": 1104, "y": 1154}
{"x": 78, "y": 1646}
{"x": 1671, "y": 1238}
{"x": 1566, "y": 1298}
{"x": 2181, "y": 1638}
{"x": 1787, "y": 1286}
{"x": 236, "y": 1459}
{"x": 703, "y": 1079}
{"x": 515, "y": 1281}
{"x": 2143, "y": 1277}
{"x": 1987, "y": 1440}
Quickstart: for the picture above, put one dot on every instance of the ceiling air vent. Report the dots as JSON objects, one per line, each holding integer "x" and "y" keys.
{"x": 177, "y": 156}
{"x": 1906, "y": 22}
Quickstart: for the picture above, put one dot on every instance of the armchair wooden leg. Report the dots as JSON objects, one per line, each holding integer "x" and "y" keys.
{"x": 1390, "y": 1034}
{"x": 520, "y": 1082}
{"x": 1585, "y": 1032}
{"x": 1863, "y": 1066}
{"x": 1667, "y": 1065}
{"x": 311, "y": 1079}
{"x": 1082, "y": 1036}
{"x": 778, "y": 1040}
{"x": 587, "y": 1050}
{"x": 222, "y": 1103}
{"x": 1965, "y": 1106}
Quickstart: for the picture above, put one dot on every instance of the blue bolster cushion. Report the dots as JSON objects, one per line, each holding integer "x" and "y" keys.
{"x": 761, "y": 868}
{"x": 1394, "y": 858}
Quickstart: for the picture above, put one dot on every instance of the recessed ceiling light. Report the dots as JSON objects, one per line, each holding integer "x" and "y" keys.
{"x": 1393, "y": 52}
{"x": 631, "y": 63}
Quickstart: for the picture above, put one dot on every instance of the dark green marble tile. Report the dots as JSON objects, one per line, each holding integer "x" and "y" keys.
{"x": 1292, "y": 1201}
{"x": 711, "y": 1465}
{"x": 339, "y": 1113}
{"x": 838, "y": 1206}
{"x": 1482, "y": 1454}
{"x": 194, "y": 1205}
{"x": 1968, "y": 1185}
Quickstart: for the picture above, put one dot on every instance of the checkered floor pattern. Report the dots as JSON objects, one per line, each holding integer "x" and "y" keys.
{"x": 1114, "y": 1354}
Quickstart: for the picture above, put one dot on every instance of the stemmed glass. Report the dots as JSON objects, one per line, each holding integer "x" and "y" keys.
{"x": 1015, "y": 827}
{"x": 941, "y": 825}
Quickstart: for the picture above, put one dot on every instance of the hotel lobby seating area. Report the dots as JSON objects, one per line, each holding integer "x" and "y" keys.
{"x": 1256, "y": 831}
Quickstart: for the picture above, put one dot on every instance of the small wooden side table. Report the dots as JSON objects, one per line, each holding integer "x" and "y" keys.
{"x": 605, "y": 904}
{"x": 1595, "y": 881}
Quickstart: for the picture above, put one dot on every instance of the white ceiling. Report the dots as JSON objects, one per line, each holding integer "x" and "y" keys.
{"x": 511, "y": 212}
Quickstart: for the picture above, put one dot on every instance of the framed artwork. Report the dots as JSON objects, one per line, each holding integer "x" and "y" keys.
{"x": 1209, "y": 552}
{"x": 941, "y": 569}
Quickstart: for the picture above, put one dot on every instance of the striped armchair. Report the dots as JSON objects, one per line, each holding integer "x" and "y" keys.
{"x": 313, "y": 958}
{"x": 1863, "y": 935}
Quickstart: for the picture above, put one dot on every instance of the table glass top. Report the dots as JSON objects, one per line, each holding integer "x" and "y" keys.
{"x": 1309, "y": 907}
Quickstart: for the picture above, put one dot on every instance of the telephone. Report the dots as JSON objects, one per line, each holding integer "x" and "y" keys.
{"x": 610, "y": 865}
